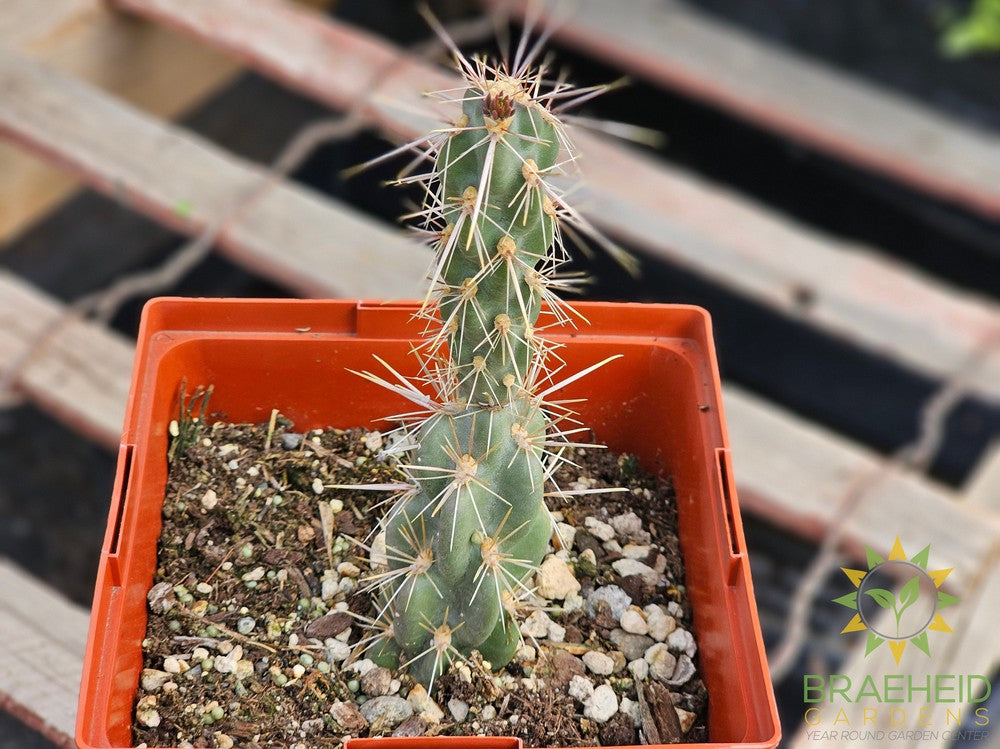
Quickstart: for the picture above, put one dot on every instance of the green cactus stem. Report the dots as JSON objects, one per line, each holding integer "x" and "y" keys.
{"x": 470, "y": 528}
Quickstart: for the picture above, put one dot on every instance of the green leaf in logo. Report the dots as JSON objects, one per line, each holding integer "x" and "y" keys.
{"x": 882, "y": 597}
{"x": 909, "y": 593}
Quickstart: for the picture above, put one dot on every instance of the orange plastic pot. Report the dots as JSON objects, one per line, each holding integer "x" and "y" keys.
{"x": 661, "y": 401}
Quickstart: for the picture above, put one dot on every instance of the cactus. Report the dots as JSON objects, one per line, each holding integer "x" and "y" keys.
{"x": 470, "y": 524}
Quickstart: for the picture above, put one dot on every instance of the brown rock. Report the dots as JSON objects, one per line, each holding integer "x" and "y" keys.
{"x": 329, "y": 625}
{"x": 636, "y": 588}
{"x": 346, "y": 523}
{"x": 603, "y": 617}
{"x": 584, "y": 541}
{"x": 412, "y": 726}
{"x": 564, "y": 667}
{"x": 619, "y": 731}
{"x": 348, "y": 717}
{"x": 376, "y": 682}
{"x": 282, "y": 557}
{"x": 573, "y": 634}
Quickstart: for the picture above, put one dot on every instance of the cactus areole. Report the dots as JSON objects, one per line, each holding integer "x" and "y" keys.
{"x": 466, "y": 534}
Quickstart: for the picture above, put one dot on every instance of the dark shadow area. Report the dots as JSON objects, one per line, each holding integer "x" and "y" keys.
{"x": 15, "y": 735}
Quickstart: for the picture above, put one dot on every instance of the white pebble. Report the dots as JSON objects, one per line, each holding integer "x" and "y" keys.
{"x": 554, "y": 580}
{"x": 347, "y": 569}
{"x": 661, "y": 662}
{"x": 210, "y": 499}
{"x": 337, "y": 651}
{"x": 254, "y": 575}
{"x": 632, "y": 621}
{"x": 601, "y": 531}
{"x": 682, "y": 641}
{"x": 172, "y": 665}
{"x": 148, "y": 716}
{"x": 639, "y": 669}
{"x": 536, "y": 625}
{"x": 152, "y": 679}
{"x": 557, "y": 632}
{"x": 573, "y": 603}
{"x": 581, "y": 688}
{"x": 459, "y": 709}
{"x": 627, "y": 525}
{"x": 633, "y": 551}
{"x": 602, "y": 704}
{"x": 626, "y": 567}
{"x": 661, "y": 624}
{"x": 423, "y": 705}
{"x": 362, "y": 667}
{"x": 598, "y": 663}
{"x": 631, "y": 709}
{"x": 317, "y": 485}
{"x": 566, "y": 534}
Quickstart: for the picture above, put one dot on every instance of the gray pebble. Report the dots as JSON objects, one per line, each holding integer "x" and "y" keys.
{"x": 616, "y": 598}
{"x": 627, "y": 526}
{"x": 682, "y": 672}
{"x": 245, "y": 625}
{"x": 291, "y": 440}
{"x": 633, "y": 646}
{"x": 459, "y": 709}
{"x": 386, "y": 711}
{"x": 661, "y": 662}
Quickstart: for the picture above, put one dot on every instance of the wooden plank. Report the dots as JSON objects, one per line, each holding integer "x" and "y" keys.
{"x": 797, "y": 475}
{"x": 82, "y": 374}
{"x": 673, "y": 44}
{"x": 983, "y": 486}
{"x": 41, "y": 661}
{"x": 853, "y": 292}
{"x": 158, "y": 71}
{"x": 287, "y": 232}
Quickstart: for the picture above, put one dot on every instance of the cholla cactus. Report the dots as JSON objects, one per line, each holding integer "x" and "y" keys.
{"x": 470, "y": 525}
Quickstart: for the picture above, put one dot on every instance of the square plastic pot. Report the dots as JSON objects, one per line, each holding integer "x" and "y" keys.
{"x": 661, "y": 401}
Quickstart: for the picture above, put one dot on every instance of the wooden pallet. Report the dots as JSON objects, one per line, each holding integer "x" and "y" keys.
{"x": 673, "y": 44}
{"x": 790, "y": 471}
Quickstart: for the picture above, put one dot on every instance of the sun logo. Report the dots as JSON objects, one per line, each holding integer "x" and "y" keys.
{"x": 903, "y": 618}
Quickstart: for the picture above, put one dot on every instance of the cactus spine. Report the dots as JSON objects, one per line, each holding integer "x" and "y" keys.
{"x": 471, "y": 526}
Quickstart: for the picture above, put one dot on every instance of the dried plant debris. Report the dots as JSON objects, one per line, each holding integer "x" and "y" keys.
{"x": 259, "y": 618}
